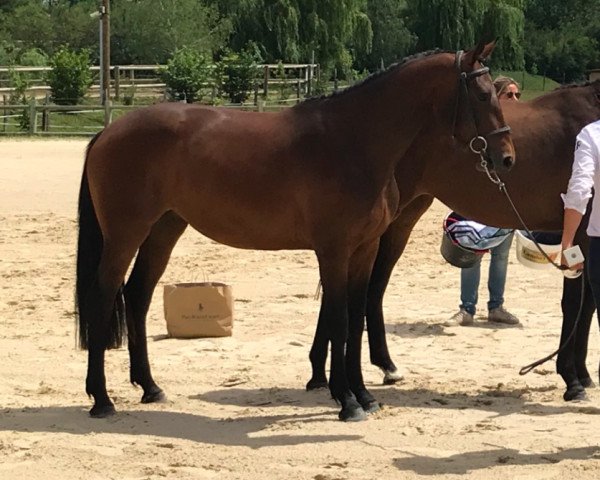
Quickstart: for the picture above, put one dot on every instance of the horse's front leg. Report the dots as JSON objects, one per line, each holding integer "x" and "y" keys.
{"x": 318, "y": 356}
{"x": 333, "y": 268}
{"x": 391, "y": 247}
{"x": 361, "y": 265}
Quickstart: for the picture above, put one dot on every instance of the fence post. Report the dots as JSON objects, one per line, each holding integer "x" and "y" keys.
{"x": 299, "y": 90}
{"x": 335, "y": 80}
{"x": 266, "y": 82}
{"x": 117, "y": 75}
{"x": 107, "y": 112}
{"x": 32, "y": 117}
{"x": 5, "y": 118}
{"x": 45, "y": 115}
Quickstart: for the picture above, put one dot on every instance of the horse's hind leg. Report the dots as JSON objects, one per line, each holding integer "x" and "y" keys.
{"x": 149, "y": 266}
{"x": 101, "y": 304}
{"x": 391, "y": 247}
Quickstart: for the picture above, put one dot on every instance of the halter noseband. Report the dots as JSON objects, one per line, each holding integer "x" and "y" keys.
{"x": 464, "y": 77}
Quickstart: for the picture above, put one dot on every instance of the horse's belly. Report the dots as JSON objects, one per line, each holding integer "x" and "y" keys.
{"x": 250, "y": 231}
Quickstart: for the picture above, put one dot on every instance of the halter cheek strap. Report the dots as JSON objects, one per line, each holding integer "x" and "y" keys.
{"x": 464, "y": 77}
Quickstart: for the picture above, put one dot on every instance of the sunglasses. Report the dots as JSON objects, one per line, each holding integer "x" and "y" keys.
{"x": 517, "y": 95}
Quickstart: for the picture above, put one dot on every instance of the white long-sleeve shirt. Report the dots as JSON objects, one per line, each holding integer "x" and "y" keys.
{"x": 585, "y": 176}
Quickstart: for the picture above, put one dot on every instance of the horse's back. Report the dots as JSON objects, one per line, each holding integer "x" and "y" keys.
{"x": 227, "y": 173}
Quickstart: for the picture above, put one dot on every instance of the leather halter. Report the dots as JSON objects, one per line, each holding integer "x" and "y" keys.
{"x": 464, "y": 77}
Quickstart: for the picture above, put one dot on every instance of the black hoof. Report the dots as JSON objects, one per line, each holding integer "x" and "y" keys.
{"x": 352, "y": 413}
{"x": 371, "y": 407}
{"x": 154, "y": 396}
{"x": 391, "y": 377}
{"x": 587, "y": 382}
{"x": 575, "y": 394}
{"x": 314, "y": 384}
{"x": 102, "y": 411}
{"x": 368, "y": 402}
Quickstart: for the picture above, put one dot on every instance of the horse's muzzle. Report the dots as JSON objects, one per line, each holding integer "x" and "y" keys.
{"x": 508, "y": 161}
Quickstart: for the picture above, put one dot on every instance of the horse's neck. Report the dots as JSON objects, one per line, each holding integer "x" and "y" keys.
{"x": 381, "y": 120}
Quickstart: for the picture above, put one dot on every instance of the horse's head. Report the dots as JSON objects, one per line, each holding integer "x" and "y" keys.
{"x": 478, "y": 119}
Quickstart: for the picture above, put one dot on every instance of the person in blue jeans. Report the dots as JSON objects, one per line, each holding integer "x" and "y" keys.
{"x": 507, "y": 89}
{"x": 469, "y": 288}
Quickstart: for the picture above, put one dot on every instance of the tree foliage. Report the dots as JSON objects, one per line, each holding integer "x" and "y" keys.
{"x": 295, "y": 30}
{"x": 236, "y": 74}
{"x": 185, "y": 74}
{"x": 504, "y": 21}
{"x": 447, "y": 24}
{"x": 149, "y": 31}
{"x": 70, "y": 76}
{"x": 562, "y": 38}
{"x": 392, "y": 39}
{"x": 559, "y": 38}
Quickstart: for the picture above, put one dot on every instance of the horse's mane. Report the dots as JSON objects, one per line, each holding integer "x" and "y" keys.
{"x": 555, "y": 93}
{"x": 579, "y": 84}
{"x": 371, "y": 78}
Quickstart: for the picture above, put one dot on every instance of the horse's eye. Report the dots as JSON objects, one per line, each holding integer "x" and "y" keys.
{"x": 484, "y": 97}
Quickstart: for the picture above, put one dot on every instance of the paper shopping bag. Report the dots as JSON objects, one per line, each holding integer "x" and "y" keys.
{"x": 195, "y": 310}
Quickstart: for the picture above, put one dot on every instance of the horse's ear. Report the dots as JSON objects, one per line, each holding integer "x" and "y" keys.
{"x": 483, "y": 50}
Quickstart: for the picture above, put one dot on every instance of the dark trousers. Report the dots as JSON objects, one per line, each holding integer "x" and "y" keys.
{"x": 593, "y": 267}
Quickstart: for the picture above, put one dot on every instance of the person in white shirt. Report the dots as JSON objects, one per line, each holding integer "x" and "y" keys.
{"x": 585, "y": 176}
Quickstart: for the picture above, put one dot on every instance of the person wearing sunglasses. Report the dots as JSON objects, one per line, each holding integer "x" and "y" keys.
{"x": 507, "y": 89}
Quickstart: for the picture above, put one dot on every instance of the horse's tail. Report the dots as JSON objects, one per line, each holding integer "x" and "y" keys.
{"x": 89, "y": 252}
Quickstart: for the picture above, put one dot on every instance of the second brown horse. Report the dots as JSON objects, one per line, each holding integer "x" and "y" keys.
{"x": 544, "y": 132}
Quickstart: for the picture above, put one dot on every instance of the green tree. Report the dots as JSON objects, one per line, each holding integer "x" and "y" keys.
{"x": 73, "y": 26}
{"x": 505, "y": 21}
{"x": 392, "y": 40}
{"x": 447, "y": 24}
{"x": 272, "y": 24}
{"x": 30, "y": 26}
{"x": 329, "y": 28}
{"x": 70, "y": 76}
{"x": 236, "y": 74}
{"x": 562, "y": 39}
{"x": 149, "y": 31}
{"x": 185, "y": 75}
{"x": 294, "y": 30}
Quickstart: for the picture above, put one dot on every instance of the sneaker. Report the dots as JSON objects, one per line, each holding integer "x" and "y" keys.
{"x": 501, "y": 315}
{"x": 462, "y": 317}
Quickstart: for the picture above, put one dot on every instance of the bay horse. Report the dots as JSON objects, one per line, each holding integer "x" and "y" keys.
{"x": 317, "y": 176}
{"x": 544, "y": 132}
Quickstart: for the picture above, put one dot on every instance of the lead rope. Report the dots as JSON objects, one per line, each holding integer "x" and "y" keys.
{"x": 493, "y": 177}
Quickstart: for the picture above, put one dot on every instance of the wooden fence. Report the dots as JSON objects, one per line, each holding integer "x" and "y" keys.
{"x": 146, "y": 78}
{"x": 36, "y": 119}
{"x": 40, "y": 117}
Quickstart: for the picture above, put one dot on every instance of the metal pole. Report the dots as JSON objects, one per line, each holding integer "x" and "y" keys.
{"x": 106, "y": 58}
{"x": 101, "y": 50}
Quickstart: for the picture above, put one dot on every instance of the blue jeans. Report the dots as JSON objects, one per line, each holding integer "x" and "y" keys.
{"x": 469, "y": 279}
